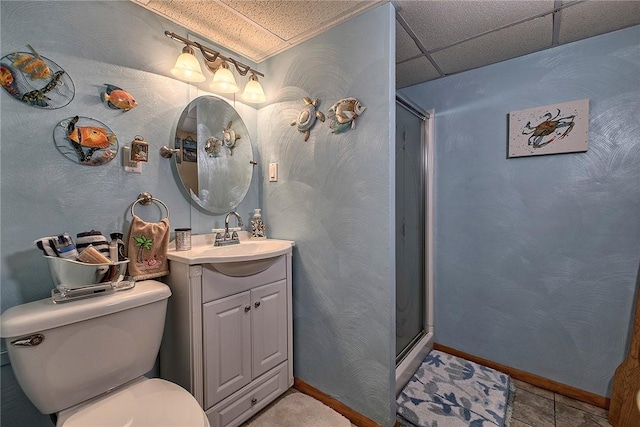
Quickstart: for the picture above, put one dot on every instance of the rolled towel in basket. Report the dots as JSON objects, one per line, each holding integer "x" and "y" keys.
{"x": 93, "y": 238}
{"x": 45, "y": 244}
{"x": 147, "y": 247}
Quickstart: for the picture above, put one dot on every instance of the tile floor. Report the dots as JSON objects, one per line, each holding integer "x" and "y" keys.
{"x": 535, "y": 407}
{"x": 286, "y": 393}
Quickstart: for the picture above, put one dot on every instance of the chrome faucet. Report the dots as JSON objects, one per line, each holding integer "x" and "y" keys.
{"x": 228, "y": 239}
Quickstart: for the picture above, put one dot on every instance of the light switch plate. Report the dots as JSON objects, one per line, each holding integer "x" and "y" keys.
{"x": 273, "y": 172}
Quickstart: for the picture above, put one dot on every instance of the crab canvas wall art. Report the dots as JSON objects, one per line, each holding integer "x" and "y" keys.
{"x": 552, "y": 129}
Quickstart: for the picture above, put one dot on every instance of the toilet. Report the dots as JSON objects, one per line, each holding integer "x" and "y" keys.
{"x": 85, "y": 360}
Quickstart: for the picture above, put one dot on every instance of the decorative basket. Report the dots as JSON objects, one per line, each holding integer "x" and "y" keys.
{"x": 66, "y": 272}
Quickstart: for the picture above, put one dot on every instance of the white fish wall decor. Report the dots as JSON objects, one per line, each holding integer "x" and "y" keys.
{"x": 343, "y": 114}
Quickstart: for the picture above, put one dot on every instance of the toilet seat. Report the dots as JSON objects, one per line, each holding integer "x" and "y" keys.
{"x": 142, "y": 403}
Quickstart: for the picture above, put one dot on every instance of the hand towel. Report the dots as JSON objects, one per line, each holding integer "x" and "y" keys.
{"x": 147, "y": 246}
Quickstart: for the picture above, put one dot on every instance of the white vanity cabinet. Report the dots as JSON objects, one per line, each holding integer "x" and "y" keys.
{"x": 228, "y": 335}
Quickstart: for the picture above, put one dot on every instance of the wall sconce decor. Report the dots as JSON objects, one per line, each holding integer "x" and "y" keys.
{"x": 139, "y": 150}
{"x": 135, "y": 155}
{"x": 187, "y": 68}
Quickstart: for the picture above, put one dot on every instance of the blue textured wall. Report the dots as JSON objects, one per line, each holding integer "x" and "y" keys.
{"x": 335, "y": 198}
{"x": 334, "y": 195}
{"x": 536, "y": 258}
{"x": 42, "y": 192}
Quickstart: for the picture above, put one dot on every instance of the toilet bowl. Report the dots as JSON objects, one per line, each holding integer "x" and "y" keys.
{"x": 85, "y": 360}
{"x": 143, "y": 402}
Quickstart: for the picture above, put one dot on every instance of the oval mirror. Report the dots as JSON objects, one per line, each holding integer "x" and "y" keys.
{"x": 215, "y": 162}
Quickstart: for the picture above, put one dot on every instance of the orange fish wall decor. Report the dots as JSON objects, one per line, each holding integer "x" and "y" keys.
{"x": 117, "y": 98}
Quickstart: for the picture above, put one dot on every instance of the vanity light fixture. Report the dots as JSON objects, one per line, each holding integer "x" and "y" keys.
{"x": 223, "y": 79}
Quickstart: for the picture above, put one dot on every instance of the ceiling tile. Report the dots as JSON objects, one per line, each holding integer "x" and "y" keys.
{"x": 415, "y": 71}
{"x": 289, "y": 19}
{"x": 442, "y": 23}
{"x": 406, "y": 48}
{"x": 597, "y": 17}
{"x": 212, "y": 21}
{"x": 521, "y": 39}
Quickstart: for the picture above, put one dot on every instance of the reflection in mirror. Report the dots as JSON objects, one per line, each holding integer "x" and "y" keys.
{"x": 216, "y": 152}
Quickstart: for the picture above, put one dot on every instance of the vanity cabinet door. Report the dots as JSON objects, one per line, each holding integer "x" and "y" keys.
{"x": 269, "y": 323}
{"x": 227, "y": 346}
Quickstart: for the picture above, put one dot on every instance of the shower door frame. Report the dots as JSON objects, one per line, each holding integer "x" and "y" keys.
{"x": 409, "y": 364}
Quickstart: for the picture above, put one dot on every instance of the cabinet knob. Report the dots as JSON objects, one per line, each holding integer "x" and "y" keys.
{"x": 254, "y": 401}
{"x": 257, "y": 304}
{"x": 247, "y": 308}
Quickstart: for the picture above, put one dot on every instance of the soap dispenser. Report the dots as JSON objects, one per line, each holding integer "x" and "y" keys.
{"x": 116, "y": 248}
{"x": 257, "y": 226}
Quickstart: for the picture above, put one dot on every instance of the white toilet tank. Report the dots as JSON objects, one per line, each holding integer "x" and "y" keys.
{"x": 81, "y": 349}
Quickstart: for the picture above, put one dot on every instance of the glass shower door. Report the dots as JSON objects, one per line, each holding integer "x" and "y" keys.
{"x": 410, "y": 256}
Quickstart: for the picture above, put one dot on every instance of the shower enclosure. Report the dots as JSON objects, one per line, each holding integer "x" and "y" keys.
{"x": 414, "y": 178}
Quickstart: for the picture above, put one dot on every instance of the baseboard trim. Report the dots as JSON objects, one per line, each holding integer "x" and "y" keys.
{"x": 355, "y": 417}
{"x": 538, "y": 381}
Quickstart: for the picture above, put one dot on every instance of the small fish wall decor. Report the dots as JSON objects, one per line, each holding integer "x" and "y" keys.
{"x": 343, "y": 114}
{"x": 8, "y": 82}
{"x": 307, "y": 116}
{"x": 117, "y": 98}
{"x": 32, "y": 65}
{"x": 35, "y": 80}
{"x": 86, "y": 141}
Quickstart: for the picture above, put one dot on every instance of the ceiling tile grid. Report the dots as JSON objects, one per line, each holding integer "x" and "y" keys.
{"x": 415, "y": 71}
{"x": 434, "y": 38}
{"x": 288, "y": 19}
{"x": 216, "y": 22}
{"x": 438, "y": 24}
{"x": 497, "y": 46}
{"x": 406, "y": 48}
{"x": 464, "y": 35}
{"x": 592, "y": 18}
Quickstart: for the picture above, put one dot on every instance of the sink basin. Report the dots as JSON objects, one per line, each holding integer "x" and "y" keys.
{"x": 203, "y": 252}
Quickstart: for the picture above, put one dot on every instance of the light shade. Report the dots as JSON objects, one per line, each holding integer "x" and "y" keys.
{"x": 223, "y": 80}
{"x": 253, "y": 91}
{"x": 187, "y": 67}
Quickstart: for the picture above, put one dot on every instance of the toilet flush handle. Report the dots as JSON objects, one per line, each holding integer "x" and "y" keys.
{"x": 29, "y": 341}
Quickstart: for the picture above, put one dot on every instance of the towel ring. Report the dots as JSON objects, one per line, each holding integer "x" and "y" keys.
{"x": 146, "y": 199}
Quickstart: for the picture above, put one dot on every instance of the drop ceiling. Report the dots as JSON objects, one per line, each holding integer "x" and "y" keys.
{"x": 434, "y": 38}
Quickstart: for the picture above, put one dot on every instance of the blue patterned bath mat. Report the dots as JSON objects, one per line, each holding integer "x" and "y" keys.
{"x": 448, "y": 391}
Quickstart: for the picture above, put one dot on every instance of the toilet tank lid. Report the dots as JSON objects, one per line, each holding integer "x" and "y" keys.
{"x": 41, "y": 315}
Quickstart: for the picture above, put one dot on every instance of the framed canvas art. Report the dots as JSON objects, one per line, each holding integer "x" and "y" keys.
{"x": 552, "y": 129}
